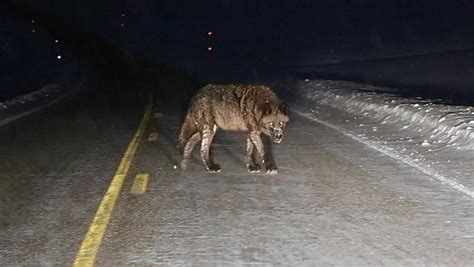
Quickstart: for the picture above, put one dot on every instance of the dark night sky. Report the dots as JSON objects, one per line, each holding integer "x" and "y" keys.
{"x": 256, "y": 34}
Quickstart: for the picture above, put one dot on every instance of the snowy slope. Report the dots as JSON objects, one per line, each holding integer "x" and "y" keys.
{"x": 437, "y": 123}
{"x": 434, "y": 138}
{"x": 23, "y": 105}
{"x": 28, "y": 98}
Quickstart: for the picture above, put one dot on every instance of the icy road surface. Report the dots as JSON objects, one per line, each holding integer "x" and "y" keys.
{"x": 434, "y": 138}
{"x": 335, "y": 201}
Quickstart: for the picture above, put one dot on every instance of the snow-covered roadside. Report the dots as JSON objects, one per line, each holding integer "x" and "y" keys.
{"x": 23, "y": 105}
{"x": 434, "y": 138}
{"x": 27, "y": 98}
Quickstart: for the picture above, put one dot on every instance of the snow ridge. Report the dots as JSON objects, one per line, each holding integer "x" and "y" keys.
{"x": 436, "y": 123}
{"x": 30, "y": 97}
{"x": 23, "y": 105}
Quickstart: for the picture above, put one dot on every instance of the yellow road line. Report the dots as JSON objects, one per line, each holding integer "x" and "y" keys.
{"x": 140, "y": 183}
{"x": 91, "y": 243}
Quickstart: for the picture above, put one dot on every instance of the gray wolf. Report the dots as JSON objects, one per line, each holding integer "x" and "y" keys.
{"x": 251, "y": 109}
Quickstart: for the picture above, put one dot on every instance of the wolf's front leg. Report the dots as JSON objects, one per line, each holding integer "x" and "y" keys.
{"x": 252, "y": 167}
{"x": 207, "y": 137}
{"x": 257, "y": 141}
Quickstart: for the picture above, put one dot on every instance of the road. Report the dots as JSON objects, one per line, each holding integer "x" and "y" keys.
{"x": 333, "y": 202}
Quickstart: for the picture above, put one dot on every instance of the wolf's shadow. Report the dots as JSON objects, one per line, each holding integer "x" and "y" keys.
{"x": 168, "y": 143}
{"x": 238, "y": 158}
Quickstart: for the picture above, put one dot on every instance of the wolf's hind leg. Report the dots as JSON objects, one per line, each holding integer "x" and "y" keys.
{"x": 257, "y": 141}
{"x": 207, "y": 137}
{"x": 188, "y": 149}
{"x": 252, "y": 167}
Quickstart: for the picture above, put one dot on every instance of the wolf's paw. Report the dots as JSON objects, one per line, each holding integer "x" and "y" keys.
{"x": 272, "y": 170}
{"x": 215, "y": 168}
{"x": 253, "y": 168}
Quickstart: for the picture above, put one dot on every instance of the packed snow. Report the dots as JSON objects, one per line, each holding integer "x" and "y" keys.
{"x": 23, "y": 105}
{"x": 28, "y": 98}
{"x": 435, "y": 138}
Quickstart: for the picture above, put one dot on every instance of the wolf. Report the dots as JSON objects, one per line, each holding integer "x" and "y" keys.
{"x": 250, "y": 109}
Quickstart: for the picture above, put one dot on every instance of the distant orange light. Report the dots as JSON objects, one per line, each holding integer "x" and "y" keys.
{"x": 209, "y": 48}
{"x": 210, "y": 33}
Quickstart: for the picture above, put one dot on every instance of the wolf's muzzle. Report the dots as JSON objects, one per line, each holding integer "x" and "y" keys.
{"x": 277, "y": 135}
{"x": 277, "y": 139}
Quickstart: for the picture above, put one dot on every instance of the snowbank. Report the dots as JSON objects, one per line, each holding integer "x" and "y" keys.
{"x": 427, "y": 135}
{"x": 23, "y": 105}
{"x": 436, "y": 123}
{"x": 44, "y": 92}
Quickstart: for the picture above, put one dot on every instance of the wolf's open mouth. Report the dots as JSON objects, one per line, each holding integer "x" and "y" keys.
{"x": 277, "y": 138}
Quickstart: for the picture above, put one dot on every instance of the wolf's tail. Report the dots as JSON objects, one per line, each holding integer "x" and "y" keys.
{"x": 187, "y": 130}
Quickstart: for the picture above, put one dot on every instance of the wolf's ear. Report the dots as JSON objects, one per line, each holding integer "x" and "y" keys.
{"x": 267, "y": 109}
{"x": 283, "y": 108}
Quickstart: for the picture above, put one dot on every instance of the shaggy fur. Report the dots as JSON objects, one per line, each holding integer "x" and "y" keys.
{"x": 251, "y": 109}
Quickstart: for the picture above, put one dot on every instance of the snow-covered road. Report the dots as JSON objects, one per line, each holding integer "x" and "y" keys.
{"x": 355, "y": 186}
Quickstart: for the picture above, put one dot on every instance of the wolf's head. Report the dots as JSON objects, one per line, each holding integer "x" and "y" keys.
{"x": 274, "y": 120}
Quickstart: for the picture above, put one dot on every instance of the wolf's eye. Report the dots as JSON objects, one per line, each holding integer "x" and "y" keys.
{"x": 281, "y": 123}
{"x": 272, "y": 124}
